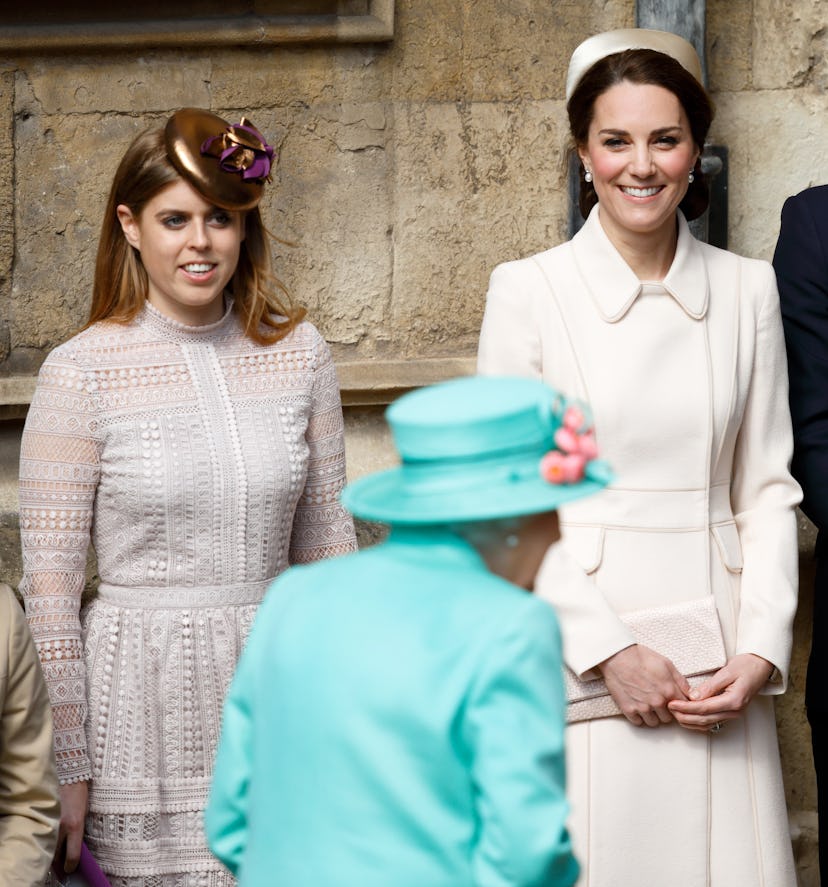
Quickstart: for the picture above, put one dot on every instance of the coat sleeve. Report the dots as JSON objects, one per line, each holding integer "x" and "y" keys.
{"x": 321, "y": 526}
{"x": 227, "y": 816}
{"x": 29, "y": 806}
{"x": 520, "y": 786}
{"x": 801, "y": 268}
{"x": 764, "y": 495}
{"x": 510, "y": 344}
{"x": 60, "y": 459}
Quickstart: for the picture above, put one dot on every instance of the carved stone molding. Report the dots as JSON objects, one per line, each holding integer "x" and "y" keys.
{"x": 94, "y": 26}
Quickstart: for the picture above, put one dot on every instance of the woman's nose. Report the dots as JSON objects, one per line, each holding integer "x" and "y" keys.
{"x": 199, "y": 235}
{"x": 641, "y": 162}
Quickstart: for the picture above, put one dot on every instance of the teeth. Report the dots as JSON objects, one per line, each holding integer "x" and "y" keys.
{"x": 641, "y": 192}
{"x": 197, "y": 267}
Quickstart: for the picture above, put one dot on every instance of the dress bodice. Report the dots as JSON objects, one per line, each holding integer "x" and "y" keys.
{"x": 192, "y": 456}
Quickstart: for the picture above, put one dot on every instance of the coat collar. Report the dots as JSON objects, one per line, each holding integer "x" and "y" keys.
{"x": 436, "y": 544}
{"x": 614, "y": 287}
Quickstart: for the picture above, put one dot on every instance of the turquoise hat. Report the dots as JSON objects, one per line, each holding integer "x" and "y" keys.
{"x": 481, "y": 448}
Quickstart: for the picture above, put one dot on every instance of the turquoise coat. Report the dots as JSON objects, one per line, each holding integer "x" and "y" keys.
{"x": 396, "y": 720}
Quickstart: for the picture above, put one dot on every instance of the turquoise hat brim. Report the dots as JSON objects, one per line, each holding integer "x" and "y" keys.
{"x": 384, "y": 497}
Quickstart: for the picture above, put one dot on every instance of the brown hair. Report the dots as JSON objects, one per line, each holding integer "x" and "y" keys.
{"x": 642, "y": 66}
{"x": 121, "y": 282}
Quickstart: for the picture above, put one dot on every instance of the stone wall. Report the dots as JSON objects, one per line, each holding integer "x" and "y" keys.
{"x": 406, "y": 171}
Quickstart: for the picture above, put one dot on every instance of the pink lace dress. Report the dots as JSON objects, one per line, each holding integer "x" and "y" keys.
{"x": 201, "y": 465}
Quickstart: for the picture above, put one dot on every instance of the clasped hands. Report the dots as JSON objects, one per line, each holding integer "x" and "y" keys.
{"x": 650, "y": 691}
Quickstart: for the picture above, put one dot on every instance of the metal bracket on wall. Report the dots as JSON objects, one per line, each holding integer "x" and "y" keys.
{"x": 712, "y": 224}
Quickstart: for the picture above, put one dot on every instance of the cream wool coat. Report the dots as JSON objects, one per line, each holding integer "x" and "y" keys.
{"x": 688, "y": 388}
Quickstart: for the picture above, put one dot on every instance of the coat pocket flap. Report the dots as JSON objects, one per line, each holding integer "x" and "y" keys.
{"x": 585, "y": 544}
{"x": 730, "y": 546}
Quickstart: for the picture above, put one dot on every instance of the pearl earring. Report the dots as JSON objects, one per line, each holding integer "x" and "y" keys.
{"x": 587, "y": 177}
{"x": 512, "y": 540}
{"x": 691, "y": 178}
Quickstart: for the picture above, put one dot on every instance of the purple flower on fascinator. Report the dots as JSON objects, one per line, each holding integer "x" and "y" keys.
{"x": 242, "y": 149}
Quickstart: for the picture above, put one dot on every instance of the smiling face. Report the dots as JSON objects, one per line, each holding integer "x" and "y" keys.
{"x": 640, "y": 151}
{"x": 189, "y": 249}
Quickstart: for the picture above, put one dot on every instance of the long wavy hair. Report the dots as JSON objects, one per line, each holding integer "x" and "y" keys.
{"x": 121, "y": 282}
{"x": 642, "y": 66}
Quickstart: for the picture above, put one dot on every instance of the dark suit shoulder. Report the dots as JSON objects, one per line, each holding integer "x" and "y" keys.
{"x": 812, "y": 202}
{"x": 817, "y": 195}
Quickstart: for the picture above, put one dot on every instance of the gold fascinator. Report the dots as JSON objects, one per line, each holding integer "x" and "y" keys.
{"x": 227, "y": 163}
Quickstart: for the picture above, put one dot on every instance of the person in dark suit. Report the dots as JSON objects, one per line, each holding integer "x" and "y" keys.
{"x": 801, "y": 264}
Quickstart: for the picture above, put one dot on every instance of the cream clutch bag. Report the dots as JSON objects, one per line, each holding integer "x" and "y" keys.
{"x": 687, "y": 633}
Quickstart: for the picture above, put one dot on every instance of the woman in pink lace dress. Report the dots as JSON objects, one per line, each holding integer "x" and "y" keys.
{"x": 193, "y": 432}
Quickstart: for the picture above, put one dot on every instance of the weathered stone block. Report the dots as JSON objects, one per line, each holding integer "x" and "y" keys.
{"x": 368, "y": 443}
{"x": 778, "y": 143}
{"x": 729, "y": 45}
{"x": 292, "y": 76}
{"x": 7, "y": 165}
{"x": 789, "y": 44}
{"x": 331, "y": 198}
{"x": 64, "y": 168}
{"x": 476, "y": 184}
{"x": 519, "y": 49}
{"x": 128, "y": 84}
{"x": 7, "y": 227}
{"x": 426, "y": 60}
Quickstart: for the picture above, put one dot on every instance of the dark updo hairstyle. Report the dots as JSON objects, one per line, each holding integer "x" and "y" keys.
{"x": 642, "y": 66}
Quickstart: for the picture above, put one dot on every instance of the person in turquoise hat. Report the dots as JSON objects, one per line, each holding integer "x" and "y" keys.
{"x": 397, "y": 715}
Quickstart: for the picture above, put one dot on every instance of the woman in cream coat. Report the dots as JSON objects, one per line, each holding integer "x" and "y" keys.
{"x": 678, "y": 347}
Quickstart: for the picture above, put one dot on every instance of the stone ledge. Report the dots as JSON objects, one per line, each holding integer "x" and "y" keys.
{"x": 370, "y": 382}
{"x": 15, "y": 396}
{"x": 16, "y": 390}
{"x": 363, "y": 382}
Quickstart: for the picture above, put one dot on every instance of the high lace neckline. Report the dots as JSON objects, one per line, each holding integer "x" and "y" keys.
{"x": 164, "y": 325}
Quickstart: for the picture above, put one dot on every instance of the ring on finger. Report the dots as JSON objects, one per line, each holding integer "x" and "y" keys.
{"x": 717, "y": 726}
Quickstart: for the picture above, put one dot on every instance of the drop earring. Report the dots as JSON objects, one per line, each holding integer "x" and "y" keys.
{"x": 691, "y": 178}
{"x": 587, "y": 176}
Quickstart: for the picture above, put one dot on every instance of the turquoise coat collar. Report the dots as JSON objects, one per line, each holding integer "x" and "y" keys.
{"x": 437, "y": 544}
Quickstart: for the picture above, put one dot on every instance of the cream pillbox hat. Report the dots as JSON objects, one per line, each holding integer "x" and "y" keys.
{"x": 599, "y": 46}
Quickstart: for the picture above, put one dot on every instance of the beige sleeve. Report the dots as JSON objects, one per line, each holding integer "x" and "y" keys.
{"x": 29, "y": 806}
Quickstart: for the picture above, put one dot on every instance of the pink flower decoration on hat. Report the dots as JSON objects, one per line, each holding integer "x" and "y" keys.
{"x": 575, "y": 447}
{"x": 562, "y": 468}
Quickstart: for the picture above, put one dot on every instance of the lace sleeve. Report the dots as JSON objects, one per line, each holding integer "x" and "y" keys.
{"x": 321, "y": 526}
{"x": 59, "y": 469}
